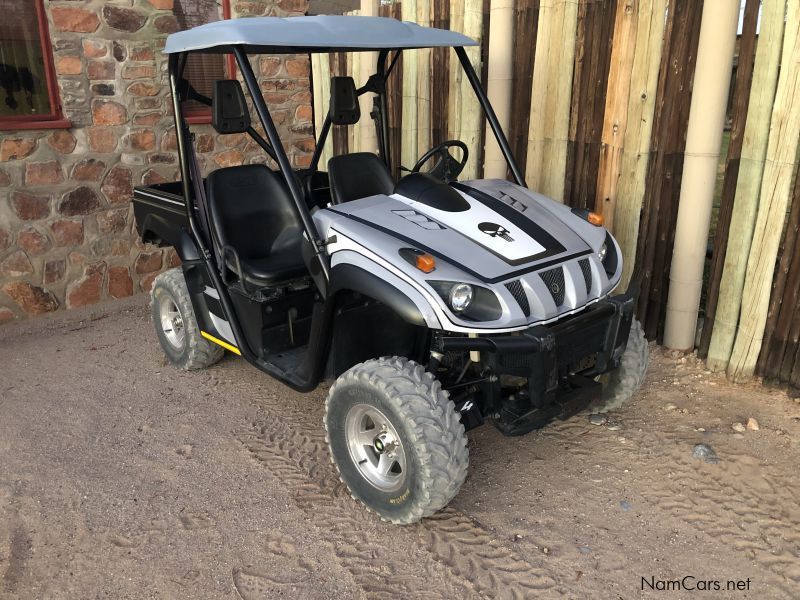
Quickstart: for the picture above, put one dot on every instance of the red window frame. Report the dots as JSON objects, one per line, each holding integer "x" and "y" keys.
{"x": 55, "y": 119}
{"x": 202, "y": 116}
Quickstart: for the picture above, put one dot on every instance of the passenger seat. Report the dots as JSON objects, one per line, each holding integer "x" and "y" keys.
{"x": 358, "y": 175}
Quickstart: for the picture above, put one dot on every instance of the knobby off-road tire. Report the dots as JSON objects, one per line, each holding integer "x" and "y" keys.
{"x": 620, "y": 385}
{"x": 182, "y": 343}
{"x": 421, "y": 429}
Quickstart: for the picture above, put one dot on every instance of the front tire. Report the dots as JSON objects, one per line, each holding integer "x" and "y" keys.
{"x": 396, "y": 439}
{"x": 176, "y": 325}
{"x": 620, "y": 385}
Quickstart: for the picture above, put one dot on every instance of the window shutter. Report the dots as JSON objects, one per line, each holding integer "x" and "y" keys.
{"x": 201, "y": 69}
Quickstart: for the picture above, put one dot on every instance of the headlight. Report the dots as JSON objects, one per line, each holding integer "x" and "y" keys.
{"x": 601, "y": 254}
{"x": 609, "y": 256}
{"x": 469, "y": 301}
{"x": 460, "y": 296}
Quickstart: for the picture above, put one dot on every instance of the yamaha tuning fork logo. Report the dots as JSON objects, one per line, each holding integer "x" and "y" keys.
{"x": 495, "y": 230}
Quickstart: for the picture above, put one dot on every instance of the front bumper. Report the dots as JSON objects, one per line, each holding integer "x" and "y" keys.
{"x": 560, "y": 362}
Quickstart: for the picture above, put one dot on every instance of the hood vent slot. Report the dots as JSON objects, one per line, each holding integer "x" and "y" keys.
{"x": 515, "y": 287}
{"x": 586, "y": 269}
{"x": 554, "y": 280}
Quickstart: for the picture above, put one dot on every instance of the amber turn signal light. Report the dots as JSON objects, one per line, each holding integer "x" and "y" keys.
{"x": 425, "y": 262}
{"x": 595, "y": 219}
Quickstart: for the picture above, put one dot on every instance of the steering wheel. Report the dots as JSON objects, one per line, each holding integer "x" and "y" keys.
{"x": 447, "y": 167}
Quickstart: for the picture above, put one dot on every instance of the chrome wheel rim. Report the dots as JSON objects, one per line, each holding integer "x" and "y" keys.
{"x": 375, "y": 447}
{"x": 172, "y": 323}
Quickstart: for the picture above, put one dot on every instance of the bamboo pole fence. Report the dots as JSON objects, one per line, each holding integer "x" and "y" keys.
{"x": 408, "y": 143}
{"x": 593, "y": 47}
{"x": 780, "y": 357}
{"x": 550, "y": 97}
{"x": 635, "y": 125}
{"x": 710, "y": 95}
{"x": 751, "y": 169}
{"x": 663, "y": 179}
{"x": 364, "y": 64}
{"x": 739, "y": 112}
{"x": 499, "y": 67}
{"x": 600, "y": 97}
{"x": 424, "y": 17}
{"x": 773, "y": 202}
{"x": 321, "y": 89}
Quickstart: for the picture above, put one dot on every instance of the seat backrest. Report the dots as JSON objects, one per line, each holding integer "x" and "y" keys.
{"x": 358, "y": 175}
{"x": 252, "y": 210}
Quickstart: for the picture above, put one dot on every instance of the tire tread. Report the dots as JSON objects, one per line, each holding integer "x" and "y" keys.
{"x": 627, "y": 379}
{"x": 430, "y": 421}
{"x": 200, "y": 353}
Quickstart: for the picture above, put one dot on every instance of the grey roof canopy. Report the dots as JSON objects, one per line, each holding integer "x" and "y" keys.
{"x": 312, "y": 34}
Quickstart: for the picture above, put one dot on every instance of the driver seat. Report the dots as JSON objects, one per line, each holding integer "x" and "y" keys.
{"x": 251, "y": 211}
{"x": 358, "y": 175}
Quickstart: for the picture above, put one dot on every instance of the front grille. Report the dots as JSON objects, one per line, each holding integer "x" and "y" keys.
{"x": 515, "y": 287}
{"x": 554, "y": 280}
{"x": 586, "y": 269}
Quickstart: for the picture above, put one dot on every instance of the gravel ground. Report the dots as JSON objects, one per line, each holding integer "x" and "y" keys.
{"x": 121, "y": 477}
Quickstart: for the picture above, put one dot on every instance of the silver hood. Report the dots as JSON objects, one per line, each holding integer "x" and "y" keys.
{"x": 500, "y": 236}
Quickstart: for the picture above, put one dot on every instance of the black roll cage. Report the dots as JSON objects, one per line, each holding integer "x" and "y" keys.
{"x": 310, "y": 372}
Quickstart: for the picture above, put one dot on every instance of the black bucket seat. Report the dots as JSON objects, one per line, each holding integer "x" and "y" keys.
{"x": 358, "y": 175}
{"x": 252, "y": 211}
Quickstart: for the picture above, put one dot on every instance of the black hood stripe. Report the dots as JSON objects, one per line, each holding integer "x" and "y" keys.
{"x": 550, "y": 244}
{"x": 417, "y": 244}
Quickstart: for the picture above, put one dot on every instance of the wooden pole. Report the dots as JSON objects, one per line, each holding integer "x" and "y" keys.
{"x": 440, "y": 75}
{"x": 741, "y": 98}
{"x": 784, "y": 301}
{"x": 470, "y": 120}
{"x": 408, "y": 147}
{"x": 615, "y": 121}
{"x": 526, "y": 25}
{"x": 712, "y": 81}
{"x": 321, "y": 75}
{"x": 774, "y": 198}
{"x": 593, "y": 46}
{"x": 394, "y": 93}
{"x": 550, "y": 98}
{"x": 367, "y": 61}
{"x": 639, "y": 111}
{"x": 667, "y": 144}
{"x": 456, "y": 74}
{"x": 751, "y": 169}
{"x": 424, "y": 16}
{"x": 501, "y": 64}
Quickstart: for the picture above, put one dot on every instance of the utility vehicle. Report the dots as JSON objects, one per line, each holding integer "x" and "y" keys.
{"x": 434, "y": 304}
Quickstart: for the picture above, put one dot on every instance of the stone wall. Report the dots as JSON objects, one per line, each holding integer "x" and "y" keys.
{"x": 67, "y": 236}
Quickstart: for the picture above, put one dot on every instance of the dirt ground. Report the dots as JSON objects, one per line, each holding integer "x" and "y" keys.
{"x": 121, "y": 477}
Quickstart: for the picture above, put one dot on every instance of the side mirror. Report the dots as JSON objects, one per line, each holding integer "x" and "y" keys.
{"x": 229, "y": 112}
{"x": 344, "y": 108}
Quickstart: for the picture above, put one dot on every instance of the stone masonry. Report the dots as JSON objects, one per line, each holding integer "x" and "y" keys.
{"x": 67, "y": 236}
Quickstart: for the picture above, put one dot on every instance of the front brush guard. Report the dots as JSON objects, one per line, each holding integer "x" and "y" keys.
{"x": 549, "y": 357}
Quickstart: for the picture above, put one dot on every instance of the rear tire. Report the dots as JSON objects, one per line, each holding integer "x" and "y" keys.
{"x": 396, "y": 439}
{"x": 620, "y": 385}
{"x": 176, "y": 325}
